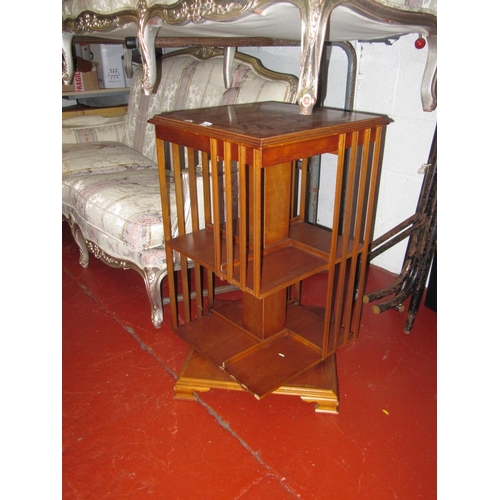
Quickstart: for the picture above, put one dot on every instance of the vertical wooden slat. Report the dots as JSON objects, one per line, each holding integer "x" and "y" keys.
{"x": 303, "y": 189}
{"x": 193, "y": 192}
{"x": 242, "y": 207}
{"x": 179, "y": 196}
{"x": 181, "y": 225}
{"x": 346, "y": 225}
{"x": 333, "y": 244}
{"x": 358, "y": 225}
{"x": 186, "y": 294}
{"x": 165, "y": 204}
{"x": 210, "y": 288}
{"x": 368, "y": 226}
{"x": 207, "y": 197}
{"x": 293, "y": 188}
{"x": 216, "y": 208}
{"x": 299, "y": 189}
{"x": 228, "y": 203}
{"x": 193, "y": 198}
{"x": 257, "y": 213}
{"x": 198, "y": 289}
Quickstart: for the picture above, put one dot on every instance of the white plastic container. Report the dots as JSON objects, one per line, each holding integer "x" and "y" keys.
{"x": 109, "y": 61}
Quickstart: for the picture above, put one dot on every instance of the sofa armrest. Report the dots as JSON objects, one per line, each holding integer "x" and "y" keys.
{"x": 92, "y": 128}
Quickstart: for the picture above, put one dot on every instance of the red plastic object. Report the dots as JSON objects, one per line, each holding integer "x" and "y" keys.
{"x": 420, "y": 42}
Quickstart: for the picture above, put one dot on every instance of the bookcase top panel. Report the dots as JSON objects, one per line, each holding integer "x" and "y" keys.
{"x": 263, "y": 124}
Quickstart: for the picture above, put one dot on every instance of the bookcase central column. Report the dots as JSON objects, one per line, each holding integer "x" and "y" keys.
{"x": 266, "y": 316}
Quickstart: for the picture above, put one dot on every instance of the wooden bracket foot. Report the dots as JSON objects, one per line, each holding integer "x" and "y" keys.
{"x": 318, "y": 385}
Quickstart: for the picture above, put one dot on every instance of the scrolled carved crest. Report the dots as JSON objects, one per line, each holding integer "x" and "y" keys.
{"x": 207, "y": 52}
{"x": 89, "y": 22}
{"x": 197, "y": 11}
{"x": 65, "y": 70}
{"x": 101, "y": 255}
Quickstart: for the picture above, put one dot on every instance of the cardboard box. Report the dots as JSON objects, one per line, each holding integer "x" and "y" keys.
{"x": 109, "y": 61}
{"x": 82, "y": 81}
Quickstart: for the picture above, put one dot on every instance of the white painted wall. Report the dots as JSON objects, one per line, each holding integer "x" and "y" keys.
{"x": 387, "y": 82}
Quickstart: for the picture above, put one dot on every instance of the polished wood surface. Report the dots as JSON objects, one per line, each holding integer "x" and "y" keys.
{"x": 264, "y": 126}
{"x": 253, "y": 233}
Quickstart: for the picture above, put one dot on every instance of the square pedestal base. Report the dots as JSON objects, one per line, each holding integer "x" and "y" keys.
{"x": 318, "y": 385}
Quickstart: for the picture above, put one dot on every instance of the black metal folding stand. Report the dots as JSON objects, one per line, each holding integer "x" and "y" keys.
{"x": 421, "y": 231}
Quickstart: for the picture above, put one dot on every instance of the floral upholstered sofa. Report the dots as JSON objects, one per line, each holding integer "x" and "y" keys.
{"x": 110, "y": 186}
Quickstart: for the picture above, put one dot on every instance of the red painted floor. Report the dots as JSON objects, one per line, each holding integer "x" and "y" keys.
{"x": 125, "y": 437}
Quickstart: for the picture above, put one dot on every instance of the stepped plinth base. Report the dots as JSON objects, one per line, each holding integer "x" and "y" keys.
{"x": 318, "y": 385}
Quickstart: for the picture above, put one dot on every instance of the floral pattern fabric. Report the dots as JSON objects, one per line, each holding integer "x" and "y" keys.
{"x": 89, "y": 128}
{"x": 101, "y": 157}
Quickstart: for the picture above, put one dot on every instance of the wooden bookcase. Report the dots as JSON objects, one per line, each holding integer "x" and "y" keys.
{"x": 239, "y": 170}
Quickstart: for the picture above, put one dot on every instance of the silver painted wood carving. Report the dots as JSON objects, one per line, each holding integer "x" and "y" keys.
{"x": 318, "y": 18}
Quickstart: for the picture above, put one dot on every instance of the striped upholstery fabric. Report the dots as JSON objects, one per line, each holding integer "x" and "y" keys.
{"x": 188, "y": 82}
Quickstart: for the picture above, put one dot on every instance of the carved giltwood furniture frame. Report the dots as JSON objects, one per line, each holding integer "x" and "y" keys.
{"x": 309, "y": 21}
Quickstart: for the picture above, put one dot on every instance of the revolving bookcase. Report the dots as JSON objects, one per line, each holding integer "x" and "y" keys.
{"x": 239, "y": 182}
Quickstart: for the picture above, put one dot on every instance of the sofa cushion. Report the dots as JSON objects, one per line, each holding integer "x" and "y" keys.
{"x": 125, "y": 205}
{"x": 101, "y": 157}
{"x": 92, "y": 128}
{"x": 121, "y": 213}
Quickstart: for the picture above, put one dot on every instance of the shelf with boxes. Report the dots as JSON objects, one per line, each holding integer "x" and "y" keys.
{"x": 100, "y": 70}
{"x": 241, "y": 167}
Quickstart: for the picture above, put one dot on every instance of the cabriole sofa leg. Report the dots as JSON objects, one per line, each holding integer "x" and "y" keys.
{"x": 80, "y": 241}
{"x": 153, "y": 279}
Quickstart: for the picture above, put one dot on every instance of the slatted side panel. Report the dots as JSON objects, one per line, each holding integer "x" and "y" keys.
{"x": 353, "y": 214}
{"x": 207, "y": 197}
{"x": 373, "y": 166}
{"x": 356, "y": 223}
{"x": 231, "y": 180}
{"x": 185, "y": 172}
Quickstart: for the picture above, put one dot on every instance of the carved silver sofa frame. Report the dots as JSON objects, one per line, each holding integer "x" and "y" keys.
{"x": 320, "y": 20}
